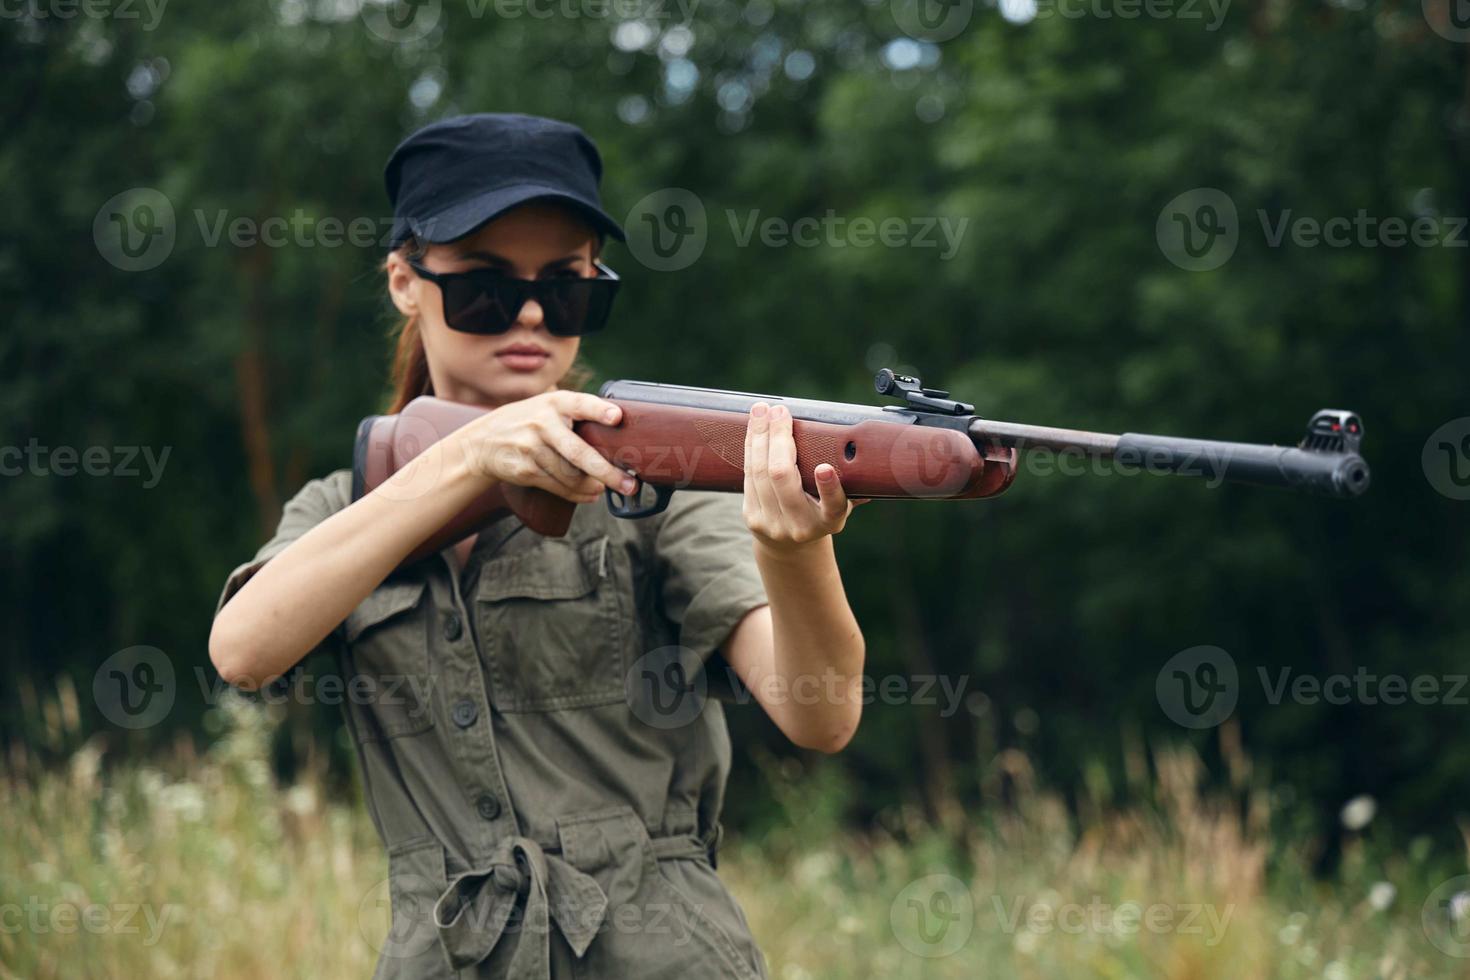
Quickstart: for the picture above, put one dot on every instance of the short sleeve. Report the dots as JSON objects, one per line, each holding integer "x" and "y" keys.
{"x": 710, "y": 578}
{"x": 315, "y": 502}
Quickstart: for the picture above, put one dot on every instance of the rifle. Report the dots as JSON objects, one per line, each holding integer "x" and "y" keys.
{"x": 927, "y": 447}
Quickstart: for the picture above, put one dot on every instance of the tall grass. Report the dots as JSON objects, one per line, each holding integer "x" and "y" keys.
{"x": 206, "y": 868}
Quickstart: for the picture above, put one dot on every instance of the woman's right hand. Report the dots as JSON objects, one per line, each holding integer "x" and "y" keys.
{"x": 531, "y": 443}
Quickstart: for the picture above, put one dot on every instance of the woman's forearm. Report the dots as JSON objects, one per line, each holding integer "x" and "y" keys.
{"x": 817, "y": 646}
{"x": 300, "y": 595}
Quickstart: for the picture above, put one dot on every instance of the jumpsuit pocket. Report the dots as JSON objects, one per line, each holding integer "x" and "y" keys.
{"x": 388, "y": 685}
{"x": 550, "y": 626}
{"x": 411, "y": 948}
{"x": 655, "y": 928}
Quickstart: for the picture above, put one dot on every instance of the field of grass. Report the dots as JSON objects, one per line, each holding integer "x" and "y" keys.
{"x": 204, "y": 867}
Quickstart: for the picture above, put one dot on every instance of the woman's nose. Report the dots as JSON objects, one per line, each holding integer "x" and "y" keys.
{"x": 531, "y": 315}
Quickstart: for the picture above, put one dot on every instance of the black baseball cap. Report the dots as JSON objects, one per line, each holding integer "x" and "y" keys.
{"x": 452, "y": 176}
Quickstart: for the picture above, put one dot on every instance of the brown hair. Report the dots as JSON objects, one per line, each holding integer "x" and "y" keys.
{"x": 409, "y": 376}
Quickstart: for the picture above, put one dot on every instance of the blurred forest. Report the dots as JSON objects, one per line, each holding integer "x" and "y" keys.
{"x": 1060, "y": 139}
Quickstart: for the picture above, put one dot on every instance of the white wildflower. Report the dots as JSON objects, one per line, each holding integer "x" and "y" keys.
{"x": 1358, "y": 812}
{"x": 1381, "y": 895}
{"x": 301, "y": 800}
{"x": 184, "y": 799}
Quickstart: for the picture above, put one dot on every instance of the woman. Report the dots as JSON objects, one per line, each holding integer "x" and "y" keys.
{"x": 538, "y": 824}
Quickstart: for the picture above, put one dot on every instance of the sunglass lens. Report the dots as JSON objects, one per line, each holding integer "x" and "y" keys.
{"x": 577, "y": 306}
{"x": 482, "y": 305}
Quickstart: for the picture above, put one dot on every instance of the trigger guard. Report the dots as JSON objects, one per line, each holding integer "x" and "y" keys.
{"x": 618, "y": 504}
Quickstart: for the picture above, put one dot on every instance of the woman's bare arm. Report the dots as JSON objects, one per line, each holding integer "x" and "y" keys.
{"x": 802, "y": 655}
{"x": 300, "y": 595}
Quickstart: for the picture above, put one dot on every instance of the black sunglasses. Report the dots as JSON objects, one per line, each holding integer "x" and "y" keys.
{"x": 484, "y": 301}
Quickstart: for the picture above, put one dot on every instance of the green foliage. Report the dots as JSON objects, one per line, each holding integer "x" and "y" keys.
{"x": 1059, "y": 140}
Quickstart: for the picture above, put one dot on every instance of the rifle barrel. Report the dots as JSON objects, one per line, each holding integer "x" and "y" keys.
{"x": 1337, "y": 473}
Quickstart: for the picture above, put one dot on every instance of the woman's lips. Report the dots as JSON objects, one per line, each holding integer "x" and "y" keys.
{"x": 522, "y": 360}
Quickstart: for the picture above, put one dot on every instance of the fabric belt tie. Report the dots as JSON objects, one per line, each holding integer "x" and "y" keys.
{"x": 473, "y": 913}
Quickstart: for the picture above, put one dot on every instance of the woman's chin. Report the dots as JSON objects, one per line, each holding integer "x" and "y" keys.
{"x": 508, "y": 386}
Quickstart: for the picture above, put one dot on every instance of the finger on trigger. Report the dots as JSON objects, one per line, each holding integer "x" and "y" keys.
{"x": 590, "y": 461}
{"x": 557, "y": 467}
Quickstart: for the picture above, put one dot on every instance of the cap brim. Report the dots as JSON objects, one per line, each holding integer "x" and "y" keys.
{"x": 461, "y": 219}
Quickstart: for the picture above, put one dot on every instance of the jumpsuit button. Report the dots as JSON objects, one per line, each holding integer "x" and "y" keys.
{"x": 488, "y": 806}
{"x": 464, "y": 713}
{"x": 453, "y": 628}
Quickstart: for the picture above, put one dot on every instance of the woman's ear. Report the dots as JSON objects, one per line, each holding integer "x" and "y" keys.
{"x": 402, "y": 284}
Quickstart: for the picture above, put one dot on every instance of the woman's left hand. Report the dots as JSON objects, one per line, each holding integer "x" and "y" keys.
{"x": 778, "y": 511}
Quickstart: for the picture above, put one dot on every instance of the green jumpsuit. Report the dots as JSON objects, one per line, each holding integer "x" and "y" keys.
{"x": 540, "y": 820}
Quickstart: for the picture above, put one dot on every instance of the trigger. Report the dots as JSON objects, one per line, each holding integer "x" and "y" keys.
{"x": 626, "y": 505}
